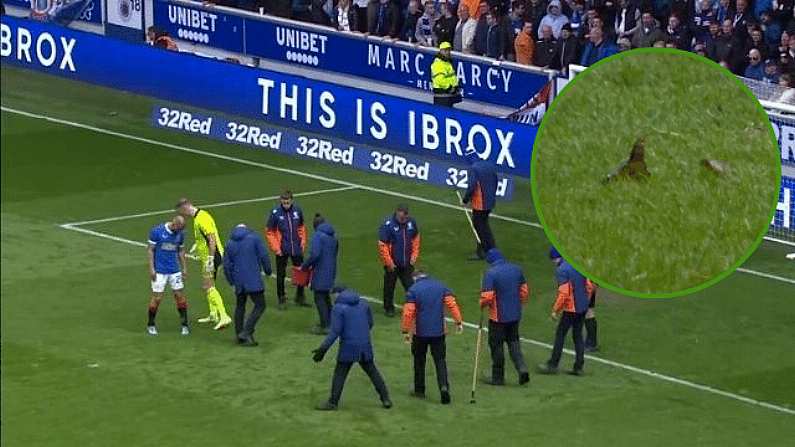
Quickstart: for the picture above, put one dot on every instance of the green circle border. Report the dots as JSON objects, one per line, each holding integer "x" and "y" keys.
{"x": 720, "y": 277}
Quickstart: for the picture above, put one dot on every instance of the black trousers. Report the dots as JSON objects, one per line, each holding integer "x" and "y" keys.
{"x": 480, "y": 220}
{"x": 341, "y": 373}
{"x": 505, "y": 333}
{"x": 245, "y": 329}
{"x": 390, "y": 280}
{"x": 361, "y": 18}
{"x": 281, "y": 273}
{"x": 419, "y": 349}
{"x": 323, "y": 304}
{"x": 573, "y": 321}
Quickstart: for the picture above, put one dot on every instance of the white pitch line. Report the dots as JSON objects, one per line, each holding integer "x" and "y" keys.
{"x": 211, "y": 205}
{"x": 592, "y": 358}
{"x": 291, "y": 171}
{"x": 766, "y": 275}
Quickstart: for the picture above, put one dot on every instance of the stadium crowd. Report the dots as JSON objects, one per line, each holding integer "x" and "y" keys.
{"x": 749, "y": 37}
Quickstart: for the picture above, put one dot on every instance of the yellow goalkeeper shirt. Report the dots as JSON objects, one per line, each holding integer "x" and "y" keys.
{"x": 203, "y": 227}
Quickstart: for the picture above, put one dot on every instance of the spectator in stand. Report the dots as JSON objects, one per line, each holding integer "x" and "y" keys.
{"x": 700, "y": 49}
{"x": 757, "y": 42}
{"x": 445, "y": 26}
{"x": 507, "y": 34}
{"x": 783, "y": 45}
{"x": 524, "y": 45}
{"x": 597, "y": 48}
{"x": 534, "y": 12}
{"x": 785, "y": 80}
{"x": 464, "y": 39}
{"x": 710, "y": 40}
{"x": 755, "y": 68}
{"x": 301, "y": 10}
{"x": 678, "y": 34}
{"x": 576, "y": 15}
{"x": 771, "y": 29}
{"x": 771, "y": 72}
{"x": 728, "y": 48}
{"x": 517, "y": 18}
{"x": 647, "y": 33}
{"x": 161, "y": 39}
{"x": 385, "y": 21}
{"x": 627, "y": 19}
{"x": 783, "y": 12}
{"x": 624, "y": 44}
{"x": 413, "y": 14}
{"x": 481, "y": 33}
{"x": 567, "y": 50}
{"x": 360, "y": 8}
{"x": 661, "y": 9}
{"x": 344, "y": 16}
{"x": 320, "y": 11}
{"x": 494, "y": 38}
{"x": 740, "y": 18}
{"x": 545, "y": 48}
{"x": 660, "y": 44}
{"x": 761, "y": 6}
{"x": 703, "y": 19}
{"x": 472, "y": 7}
{"x": 554, "y": 19}
{"x": 425, "y": 23}
{"x": 279, "y": 8}
{"x": 723, "y": 11}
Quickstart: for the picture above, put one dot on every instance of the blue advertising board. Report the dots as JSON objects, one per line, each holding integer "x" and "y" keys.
{"x": 294, "y": 142}
{"x": 372, "y": 58}
{"x": 785, "y": 133}
{"x": 364, "y": 117}
{"x": 198, "y": 25}
{"x": 83, "y": 10}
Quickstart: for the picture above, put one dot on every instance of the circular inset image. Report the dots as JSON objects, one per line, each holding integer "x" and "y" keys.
{"x": 655, "y": 173}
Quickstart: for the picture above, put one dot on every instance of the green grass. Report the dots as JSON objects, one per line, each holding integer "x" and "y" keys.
{"x": 77, "y": 368}
{"x": 684, "y": 226}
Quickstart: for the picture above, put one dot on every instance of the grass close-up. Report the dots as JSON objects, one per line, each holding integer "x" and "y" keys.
{"x": 84, "y": 178}
{"x": 709, "y": 187}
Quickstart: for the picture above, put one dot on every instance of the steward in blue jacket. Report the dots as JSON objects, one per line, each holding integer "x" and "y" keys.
{"x": 571, "y": 305}
{"x": 399, "y": 249}
{"x": 423, "y": 315}
{"x": 322, "y": 261}
{"x": 351, "y": 321}
{"x": 481, "y": 194}
{"x": 245, "y": 258}
{"x": 503, "y": 292}
{"x": 286, "y": 236}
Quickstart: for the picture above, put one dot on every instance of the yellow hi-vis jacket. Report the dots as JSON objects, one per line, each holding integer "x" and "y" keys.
{"x": 443, "y": 76}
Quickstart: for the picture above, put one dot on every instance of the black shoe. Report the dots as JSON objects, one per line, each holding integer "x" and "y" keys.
{"x": 326, "y": 406}
{"x": 592, "y": 349}
{"x": 386, "y": 403}
{"x": 524, "y": 378}
{"x": 445, "y": 397}
{"x": 494, "y": 382}
{"x": 545, "y": 368}
{"x": 390, "y": 313}
{"x": 576, "y": 372}
{"x": 248, "y": 342}
{"x": 418, "y": 394}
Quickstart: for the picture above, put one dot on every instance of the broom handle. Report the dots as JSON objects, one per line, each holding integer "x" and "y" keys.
{"x": 477, "y": 354}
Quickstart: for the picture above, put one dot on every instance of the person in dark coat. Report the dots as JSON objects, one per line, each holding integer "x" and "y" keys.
{"x": 399, "y": 250}
{"x": 245, "y": 258}
{"x": 545, "y": 48}
{"x": 503, "y": 292}
{"x": 567, "y": 49}
{"x": 286, "y": 234}
{"x": 444, "y": 27}
{"x": 481, "y": 195}
{"x": 351, "y": 322}
{"x": 322, "y": 261}
{"x": 570, "y": 308}
{"x": 423, "y": 326}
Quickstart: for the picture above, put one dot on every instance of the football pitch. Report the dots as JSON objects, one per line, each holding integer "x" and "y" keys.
{"x": 85, "y": 176}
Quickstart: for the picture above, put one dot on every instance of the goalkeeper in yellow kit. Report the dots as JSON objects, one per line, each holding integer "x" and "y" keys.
{"x": 209, "y": 250}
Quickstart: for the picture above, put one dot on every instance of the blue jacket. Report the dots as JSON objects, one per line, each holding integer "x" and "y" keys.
{"x": 504, "y": 289}
{"x": 482, "y": 186}
{"x": 423, "y": 312}
{"x": 573, "y": 293}
{"x": 399, "y": 244}
{"x": 593, "y": 54}
{"x": 323, "y": 258}
{"x": 351, "y": 321}
{"x": 244, "y": 255}
{"x": 285, "y": 230}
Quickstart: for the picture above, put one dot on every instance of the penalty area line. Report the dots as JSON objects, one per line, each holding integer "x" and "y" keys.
{"x": 645, "y": 372}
